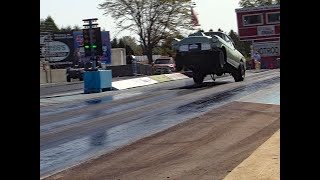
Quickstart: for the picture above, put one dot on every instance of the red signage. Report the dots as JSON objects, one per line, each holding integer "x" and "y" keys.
{"x": 258, "y": 23}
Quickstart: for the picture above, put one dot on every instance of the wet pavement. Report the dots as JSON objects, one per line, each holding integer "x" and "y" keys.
{"x": 77, "y": 132}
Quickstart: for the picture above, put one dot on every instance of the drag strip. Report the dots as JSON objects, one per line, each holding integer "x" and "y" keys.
{"x": 76, "y": 132}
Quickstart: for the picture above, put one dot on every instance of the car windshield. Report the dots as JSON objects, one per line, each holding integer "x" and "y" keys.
{"x": 163, "y": 61}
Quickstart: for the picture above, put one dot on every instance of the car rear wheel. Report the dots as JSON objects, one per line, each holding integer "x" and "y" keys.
{"x": 68, "y": 78}
{"x": 178, "y": 67}
{"x": 178, "y": 64}
{"x": 198, "y": 77}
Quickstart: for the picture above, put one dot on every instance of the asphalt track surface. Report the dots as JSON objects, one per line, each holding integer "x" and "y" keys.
{"x": 72, "y": 133}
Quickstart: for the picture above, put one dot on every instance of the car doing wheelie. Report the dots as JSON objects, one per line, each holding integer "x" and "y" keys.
{"x": 211, "y": 53}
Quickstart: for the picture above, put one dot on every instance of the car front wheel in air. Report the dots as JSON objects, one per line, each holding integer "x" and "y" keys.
{"x": 221, "y": 59}
{"x": 239, "y": 74}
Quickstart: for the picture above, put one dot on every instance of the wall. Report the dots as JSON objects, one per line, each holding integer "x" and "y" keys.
{"x": 52, "y": 76}
{"x": 127, "y": 70}
{"x": 144, "y": 59}
{"x": 118, "y": 56}
{"x": 43, "y": 77}
{"x": 58, "y": 75}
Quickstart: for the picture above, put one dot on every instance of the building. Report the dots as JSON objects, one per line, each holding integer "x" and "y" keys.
{"x": 261, "y": 26}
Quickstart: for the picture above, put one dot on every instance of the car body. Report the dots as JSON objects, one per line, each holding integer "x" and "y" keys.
{"x": 163, "y": 65}
{"x": 209, "y": 53}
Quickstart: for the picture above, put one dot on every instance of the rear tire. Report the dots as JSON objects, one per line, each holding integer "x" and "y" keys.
{"x": 198, "y": 78}
{"x": 178, "y": 64}
{"x": 68, "y": 78}
{"x": 178, "y": 67}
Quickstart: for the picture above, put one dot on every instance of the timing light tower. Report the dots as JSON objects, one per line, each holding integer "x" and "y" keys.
{"x": 92, "y": 40}
{"x": 94, "y": 80}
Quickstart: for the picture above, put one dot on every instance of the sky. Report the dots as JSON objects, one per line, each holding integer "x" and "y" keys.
{"x": 212, "y": 14}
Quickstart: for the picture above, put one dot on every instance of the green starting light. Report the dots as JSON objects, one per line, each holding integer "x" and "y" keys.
{"x": 94, "y": 46}
{"x": 87, "y": 47}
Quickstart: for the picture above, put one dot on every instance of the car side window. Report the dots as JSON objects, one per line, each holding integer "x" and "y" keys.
{"x": 224, "y": 37}
{"x": 220, "y": 35}
{"x": 229, "y": 40}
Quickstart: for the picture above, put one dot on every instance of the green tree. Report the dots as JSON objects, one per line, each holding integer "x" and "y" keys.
{"x": 220, "y": 30}
{"x": 256, "y": 3}
{"x": 114, "y": 43}
{"x": 69, "y": 29}
{"x": 76, "y": 28}
{"x": 66, "y": 29}
{"x": 121, "y": 44}
{"x": 157, "y": 50}
{"x": 48, "y": 25}
{"x": 247, "y": 3}
{"x": 131, "y": 45}
{"x": 165, "y": 47}
{"x": 151, "y": 20}
{"x": 242, "y": 46}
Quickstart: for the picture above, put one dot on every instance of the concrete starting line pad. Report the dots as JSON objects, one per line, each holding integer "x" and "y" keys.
{"x": 144, "y": 81}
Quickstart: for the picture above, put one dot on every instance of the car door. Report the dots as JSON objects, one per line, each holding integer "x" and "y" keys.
{"x": 238, "y": 54}
{"x": 232, "y": 53}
